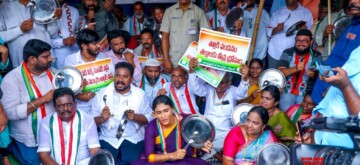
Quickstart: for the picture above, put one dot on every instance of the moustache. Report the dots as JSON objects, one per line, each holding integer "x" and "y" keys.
{"x": 66, "y": 112}
{"x": 120, "y": 82}
{"x": 222, "y": 2}
{"x": 353, "y": 6}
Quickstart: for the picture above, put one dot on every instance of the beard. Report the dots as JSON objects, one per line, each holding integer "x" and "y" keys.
{"x": 139, "y": 16}
{"x": 121, "y": 89}
{"x": 42, "y": 68}
{"x": 92, "y": 7}
{"x": 93, "y": 53}
{"x": 302, "y": 52}
{"x": 119, "y": 51}
{"x": 147, "y": 45}
{"x": 152, "y": 80}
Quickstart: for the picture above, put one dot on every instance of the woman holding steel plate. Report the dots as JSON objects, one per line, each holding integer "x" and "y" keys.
{"x": 244, "y": 142}
{"x": 164, "y": 143}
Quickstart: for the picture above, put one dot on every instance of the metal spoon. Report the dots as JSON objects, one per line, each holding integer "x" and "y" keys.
{"x": 104, "y": 99}
{"x": 192, "y": 137}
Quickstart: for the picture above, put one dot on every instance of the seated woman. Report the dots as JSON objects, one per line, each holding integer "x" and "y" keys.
{"x": 302, "y": 113}
{"x": 243, "y": 143}
{"x": 256, "y": 67}
{"x": 280, "y": 123}
{"x": 163, "y": 139}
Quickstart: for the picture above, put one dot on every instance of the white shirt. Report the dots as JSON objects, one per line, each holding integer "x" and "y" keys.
{"x": 248, "y": 27}
{"x": 129, "y": 26}
{"x": 279, "y": 42}
{"x": 135, "y": 100}
{"x": 76, "y": 59}
{"x": 13, "y": 14}
{"x": 220, "y": 22}
{"x": 219, "y": 115}
{"x": 151, "y": 91}
{"x": 180, "y": 93}
{"x": 89, "y": 136}
{"x": 15, "y": 99}
{"x": 60, "y": 50}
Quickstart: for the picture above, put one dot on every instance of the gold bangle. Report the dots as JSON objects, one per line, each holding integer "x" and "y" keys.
{"x": 32, "y": 105}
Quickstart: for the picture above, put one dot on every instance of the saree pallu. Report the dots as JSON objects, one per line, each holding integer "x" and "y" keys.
{"x": 247, "y": 153}
{"x": 282, "y": 127}
{"x": 253, "y": 88}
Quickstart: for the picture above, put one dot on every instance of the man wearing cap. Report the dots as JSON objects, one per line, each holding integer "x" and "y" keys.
{"x": 152, "y": 79}
{"x": 297, "y": 64}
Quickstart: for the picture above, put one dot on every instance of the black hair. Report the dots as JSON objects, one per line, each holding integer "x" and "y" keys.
{"x": 87, "y": 36}
{"x": 119, "y": 33}
{"x": 125, "y": 65}
{"x": 159, "y": 7}
{"x": 258, "y": 61}
{"x": 262, "y": 112}
{"x": 162, "y": 99}
{"x": 139, "y": 3}
{"x": 274, "y": 92}
{"x": 146, "y": 30}
{"x": 34, "y": 47}
{"x": 62, "y": 92}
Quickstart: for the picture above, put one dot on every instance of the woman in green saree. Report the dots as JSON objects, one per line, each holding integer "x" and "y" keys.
{"x": 279, "y": 122}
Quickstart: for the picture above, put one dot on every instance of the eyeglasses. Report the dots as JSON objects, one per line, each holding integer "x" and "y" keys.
{"x": 62, "y": 106}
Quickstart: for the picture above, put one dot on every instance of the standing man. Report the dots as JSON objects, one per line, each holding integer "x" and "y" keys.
{"x": 180, "y": 93}
{"x": 135, "y": 24}
{"x": 98, "y": 19}
{"x": 152, "y": 79}
{"x": 124, "y": 101}
{"x": 218, "y": 15}
{"x": 17, "y": 28}
{"x": 250, "y": 13}
{"x": 119, "y": 52}
{"x": 64, "y": 43}
{"x": 27, "y": 94}
{"x": 280, "y": 22}
{"x": 147, "y": 47}
{"x": 79, "y": 140}
{"x": 297, "y": 64}
{"x": 88, "y": 41}
{"x": 180, "y": 26}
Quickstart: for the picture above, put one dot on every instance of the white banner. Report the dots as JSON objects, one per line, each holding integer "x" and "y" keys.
{"x": 145, "y": 1}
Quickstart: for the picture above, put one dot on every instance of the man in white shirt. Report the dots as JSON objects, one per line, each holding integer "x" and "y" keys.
{"x": 88, "y": 41}
{"x": 220, "y": 101}
{"x": 152, "y": 79}
{"x": 64, "y": 42}
{"x": 250, "y": 13}
{"x": 147, "y": 47}
{"x": 121, "y": 110}
{"x": 178, "y": 91}
{"x": 27, "y": 94}
{"x": 16, "y": 27}
{"x": 68, "y": 130}
{"x": 217, "y": 16}
{"x": 280, "y": 22}
{"x": 135, "y": 24}
{"x": 119, "y": 52}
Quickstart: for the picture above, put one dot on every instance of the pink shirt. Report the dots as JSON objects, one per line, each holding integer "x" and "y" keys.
{"x": 137, "y": 70}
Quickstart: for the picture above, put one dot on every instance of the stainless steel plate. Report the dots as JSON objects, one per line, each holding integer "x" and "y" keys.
{"x": 294, "y": 28}
{"x": 340, "y": 25}
{"x": 43, "y": 11}
{"x": 204, "y": 128}
{"x": 274, "y": 154}
{"x": 272, "y": 77}
{"x": 240, "y": 112}
{"x": 102, "y": 157}
{"x": 234, "y": 14}
{"x": 68, "y": 77}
